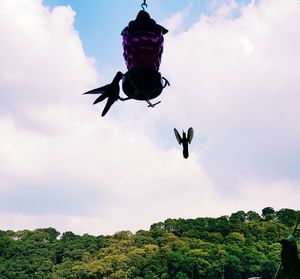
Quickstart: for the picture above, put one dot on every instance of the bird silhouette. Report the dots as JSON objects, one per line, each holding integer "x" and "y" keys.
{"x": 289, "y": 258}
{"x": 185, "y": 140}
{"x": 110, "y": 91}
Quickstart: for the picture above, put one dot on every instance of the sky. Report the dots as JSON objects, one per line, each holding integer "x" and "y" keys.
{"x": 234, "y": 71}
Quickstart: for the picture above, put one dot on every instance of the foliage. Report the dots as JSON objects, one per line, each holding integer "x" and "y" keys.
{"x": 242, "y": 245}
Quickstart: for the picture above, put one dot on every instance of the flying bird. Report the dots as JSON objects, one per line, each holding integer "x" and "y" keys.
{"x": 110, "y": 91}
{"x": 185, "y": 140}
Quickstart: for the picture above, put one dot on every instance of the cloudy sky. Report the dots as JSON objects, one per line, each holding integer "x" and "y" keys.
{"x": 234, "y": 72}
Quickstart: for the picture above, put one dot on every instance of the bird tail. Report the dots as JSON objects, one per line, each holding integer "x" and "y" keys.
{"x": 108, "y": 104}
{"x": 110, "y": 91}
{"x": 105, "y": 92}
{"x": 185, "y": 152}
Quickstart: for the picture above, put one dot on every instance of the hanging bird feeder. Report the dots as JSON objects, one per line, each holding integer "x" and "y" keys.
{"x": 143, "y": 41}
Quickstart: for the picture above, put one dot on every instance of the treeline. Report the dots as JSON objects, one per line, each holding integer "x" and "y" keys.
{"x": 239, "y": 246}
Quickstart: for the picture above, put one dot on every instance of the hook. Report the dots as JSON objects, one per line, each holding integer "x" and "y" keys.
{"x": 144, "y": 5}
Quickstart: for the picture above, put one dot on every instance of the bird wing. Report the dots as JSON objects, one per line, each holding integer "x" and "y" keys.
{"x": 190, "y": 134}
{"x": 178, "y": 137}
{"x": 99, "y": 90}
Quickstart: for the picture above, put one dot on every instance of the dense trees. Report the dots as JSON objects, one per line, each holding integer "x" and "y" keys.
{"x": 242, "y": 245}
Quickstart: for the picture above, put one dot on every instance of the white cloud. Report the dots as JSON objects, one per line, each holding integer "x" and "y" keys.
{"x": 234, "y": 80}
{"x": 175, "y": 23}
{"x": 42, "y": 60}
{"x": 96, "y": 170}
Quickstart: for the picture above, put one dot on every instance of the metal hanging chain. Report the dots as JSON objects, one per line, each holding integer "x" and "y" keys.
{"x": 144, "y": 5}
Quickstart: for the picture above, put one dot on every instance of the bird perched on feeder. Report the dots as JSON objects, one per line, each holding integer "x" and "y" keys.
{"x": 143, "y": 46}
{"x": 185, "y": 140}
{"x": 110, "y": 91}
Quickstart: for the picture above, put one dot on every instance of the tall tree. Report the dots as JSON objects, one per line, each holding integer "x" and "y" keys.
{"x": 268, "y": 213}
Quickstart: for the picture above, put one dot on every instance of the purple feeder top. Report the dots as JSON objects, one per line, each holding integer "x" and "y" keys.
{"x": 143, "y": 43}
